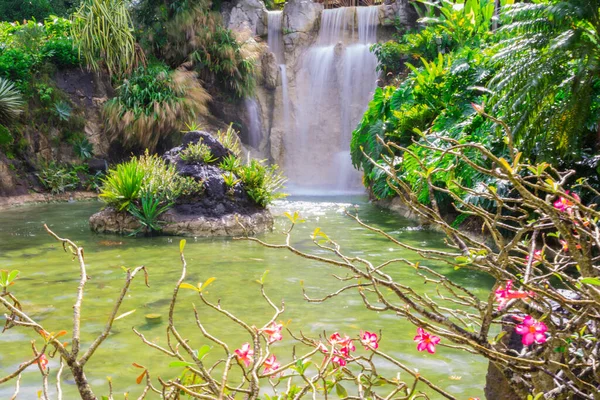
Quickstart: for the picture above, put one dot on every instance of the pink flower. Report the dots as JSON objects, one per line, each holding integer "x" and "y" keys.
{"x": 426, "y": 341}
{"x": 245, "y": 353}
{"x": 563, "y": 204}
{"x": 334, "y": 338}
{"x": 369, "y": 340}
{"x": 340, "y": 361}
{"x": 537, "y": 256}
{"x": 347, "y": 346}
{"x": 565, "y": 245}
{"x": 273, "y": 332}
{"x": 43, "y": 362}
{"x": 322, "y": 348}
{"x": 533, "y": 331}
{"x": 271, "y": 364}
{"x": 504, "y": 295}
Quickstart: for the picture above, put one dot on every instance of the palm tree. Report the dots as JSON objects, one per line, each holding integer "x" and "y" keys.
{"x": 548, "y": 57}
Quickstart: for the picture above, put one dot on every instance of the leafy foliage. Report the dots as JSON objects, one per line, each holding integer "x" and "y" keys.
{"x": 185, "y": 32}
{"x": 10, "y": 101}
{"x": 152, "y": 104}
{"x": 197, "y": 152}
{"x": 102, "y": 30}
{"x": 146, "y": 187}
{"x": 262, "y": 183}
{"x": 549, "y": 65}
{"x": 58, "y": 178}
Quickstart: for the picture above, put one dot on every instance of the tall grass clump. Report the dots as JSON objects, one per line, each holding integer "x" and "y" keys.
{"x": 152, "y": 104}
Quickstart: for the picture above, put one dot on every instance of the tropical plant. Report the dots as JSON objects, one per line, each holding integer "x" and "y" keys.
{"x": 262, "y": 183}
{"x": 58, "y": 178}
{"x": 60, "y": 52}
{"x": 103, "y": 33}
{"x": 549, "y": 62}
{"x": 63, "y": 110}
{"x": 230, "y": 163}
{"x": 16, "y": 65}
{"x": 152, "y": 104}
{"x": 148, "y": 212}
{"x": 198, "y": 152}
{"x": 198, "y": 35}
{"x": 123, "y": 184}
{"x": 230, "y": 140}
{"x": 83, "y": 148}
{"x": 10, "y": 101}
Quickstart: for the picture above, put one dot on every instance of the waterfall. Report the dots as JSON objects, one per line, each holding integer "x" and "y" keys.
{"x": 254, "y": 127}
{"x": 275, "y": 34}
{"x": 285, "y": 97}
{"x": 334, "y": 83}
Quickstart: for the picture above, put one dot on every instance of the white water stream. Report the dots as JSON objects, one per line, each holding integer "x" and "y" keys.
{"x": 334, "y": 84}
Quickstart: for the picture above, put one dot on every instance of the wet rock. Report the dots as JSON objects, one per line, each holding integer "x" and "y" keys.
{"x": 300, "y": 22}
{"x": 247, "y": 15}
{"x": 270, "y": 70}
{"x": 179, "y": 223}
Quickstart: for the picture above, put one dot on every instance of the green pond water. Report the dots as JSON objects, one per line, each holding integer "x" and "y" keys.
{"x": 49, "y": 280}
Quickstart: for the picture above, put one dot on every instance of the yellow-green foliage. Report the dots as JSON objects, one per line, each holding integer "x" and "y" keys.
{"x": 103, "y": 31}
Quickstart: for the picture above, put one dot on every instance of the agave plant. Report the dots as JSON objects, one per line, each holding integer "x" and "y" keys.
{"x": 10, "y": 101}
{"x": 123, "y": 185}
{"x": 63, "y": 110}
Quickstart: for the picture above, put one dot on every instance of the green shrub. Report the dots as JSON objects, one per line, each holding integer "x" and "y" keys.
{"x": 262, "y": 183}
{"x": 6, "y": 139}
{"x": 123, "y": 184}
{"x": 16, "y": 65}
{"x": 18, "y": 10}
{"x": 10, "y": 101}
{"x": 60, "y": 52}
{"x": 197, "y": 153}
{"x": 58, "y": 178}
{"x": 103, "y": 32}
{"x": 152, "y": 104}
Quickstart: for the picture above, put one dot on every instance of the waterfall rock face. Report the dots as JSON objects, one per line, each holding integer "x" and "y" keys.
{"x": 300, "y": 23}
{"x": 247, "y": 15}
{"x": 317, "y": 78}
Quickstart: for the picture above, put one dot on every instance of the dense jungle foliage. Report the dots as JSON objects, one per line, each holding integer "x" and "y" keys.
{"x": 533, "y": 65}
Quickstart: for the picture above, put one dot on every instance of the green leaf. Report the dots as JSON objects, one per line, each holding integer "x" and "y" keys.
{"x": 12, "y": 276}
{"x": 176, "y": 364}
{"x": 182, "y": 243}
{"x": 203, "y": 351}
{"x": 340, "y": 391}
{"x": 591, "y": 281}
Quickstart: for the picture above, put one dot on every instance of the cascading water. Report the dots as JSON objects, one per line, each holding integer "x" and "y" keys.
{"x": 333, "y": 87}
{"x": 255, "y": 126}
{"x": 275, "y": 34}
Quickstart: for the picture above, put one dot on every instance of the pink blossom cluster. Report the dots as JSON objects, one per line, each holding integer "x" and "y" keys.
{"x": 505, "y": 294}
{"x": 565, "y": 205}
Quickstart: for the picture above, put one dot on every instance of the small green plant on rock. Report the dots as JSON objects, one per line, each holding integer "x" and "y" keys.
{"x": 148, "y": 212}
{"x": 230, "y": 163}
{"x": 230, "y": 139}
{"x": 262, "y": 183}
{"x": 196, "y": 153}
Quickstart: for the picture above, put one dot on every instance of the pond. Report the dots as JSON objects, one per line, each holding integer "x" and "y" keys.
{"x": 49, "y": 280}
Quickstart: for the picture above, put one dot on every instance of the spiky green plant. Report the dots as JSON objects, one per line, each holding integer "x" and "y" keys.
{"x": 262, "y": 183}
{"x": 123, "y": 185}
{"x": 148, "y": 212}
{"x": 10, "y": 101}
{"x": 103, "y": 32}
{"x": 197, "y": 153}
{"x": 549, "y": 72}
